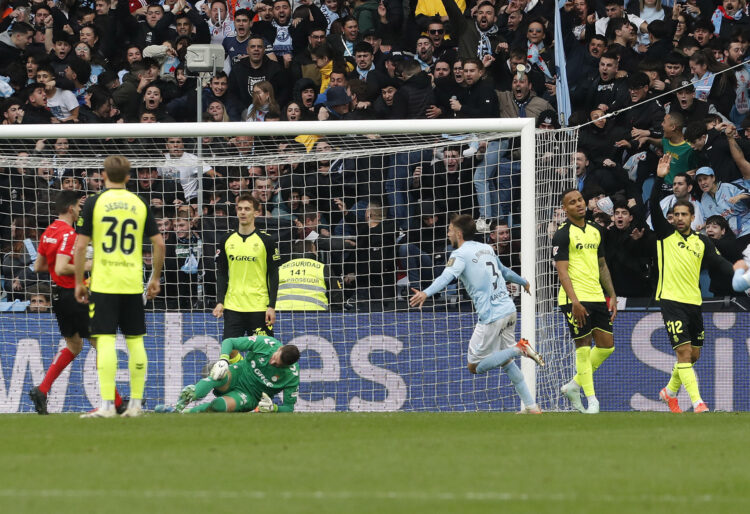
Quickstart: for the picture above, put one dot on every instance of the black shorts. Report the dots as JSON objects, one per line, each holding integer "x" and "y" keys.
{"x": 684, "y": 323}
{"x": 72, "y": 317}
{"x": 238, "y": 324}
{"x": 109, "y": 311}
{"x": 598, "y": 319}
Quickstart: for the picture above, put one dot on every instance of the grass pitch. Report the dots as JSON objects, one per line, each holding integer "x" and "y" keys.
{"x": 403, "y": 462}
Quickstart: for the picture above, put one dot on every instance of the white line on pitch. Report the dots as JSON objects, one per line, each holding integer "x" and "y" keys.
{"x": 369, "y": 495}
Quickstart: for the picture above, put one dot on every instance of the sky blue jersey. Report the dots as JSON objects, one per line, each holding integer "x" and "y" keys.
{"x": 483, "y": 276}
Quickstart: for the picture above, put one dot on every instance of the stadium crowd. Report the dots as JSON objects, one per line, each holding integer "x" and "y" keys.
{"x": 645, "y": 78}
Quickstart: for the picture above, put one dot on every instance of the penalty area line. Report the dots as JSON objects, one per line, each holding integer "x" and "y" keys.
{"x": 423, "y": 496}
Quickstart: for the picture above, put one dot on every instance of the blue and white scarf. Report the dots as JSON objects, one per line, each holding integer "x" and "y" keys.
{"x": 703, "y": 85}
{"x": 363, "y": 73}
{"x": 719, "y": 14}
{"x": 330, "y": 16}
{"x": 283, "y": 42}
{"x": 484, "y": 46}
{"x": 534, "y": 57}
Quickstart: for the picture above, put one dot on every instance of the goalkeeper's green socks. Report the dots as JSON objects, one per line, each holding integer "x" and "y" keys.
{"x": 138, "y": 366}
{"x": 688, "y": 379}
{"x": 106, "y": 366}
{"x": 206, "y": 385}
{"x": 584, "y": 376}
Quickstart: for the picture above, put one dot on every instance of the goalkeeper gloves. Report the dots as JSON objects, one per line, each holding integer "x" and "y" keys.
{"x": 266, "y": 404}
{"x": 219, "y": 370}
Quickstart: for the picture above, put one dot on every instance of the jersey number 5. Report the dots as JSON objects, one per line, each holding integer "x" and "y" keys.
{"x": 495, "y": 274}
{"x": 126, "y": 238}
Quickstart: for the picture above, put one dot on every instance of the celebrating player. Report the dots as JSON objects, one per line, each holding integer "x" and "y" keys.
{"x": 247, "y": 277}
{"x": 55, "y": 255}
{"x": 578, "y": 251}
{"x": 483, "y": 275}
{"x": 115, "y": 222}
{"x": 681, "y": 254}
{"x": 268, "y": 368}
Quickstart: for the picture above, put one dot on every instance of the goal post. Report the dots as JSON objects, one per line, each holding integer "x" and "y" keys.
{"x": 359, "y": 355}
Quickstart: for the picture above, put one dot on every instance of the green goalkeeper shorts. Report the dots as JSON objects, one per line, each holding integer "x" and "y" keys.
{"x": 245, "y": 402}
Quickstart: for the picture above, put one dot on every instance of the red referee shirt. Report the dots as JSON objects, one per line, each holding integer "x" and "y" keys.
{"x": 58, "y": 239}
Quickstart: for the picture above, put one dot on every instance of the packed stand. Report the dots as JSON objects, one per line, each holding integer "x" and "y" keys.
{"x": 644, "y": 79}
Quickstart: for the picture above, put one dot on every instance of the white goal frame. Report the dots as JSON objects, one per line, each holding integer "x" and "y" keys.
{"x": 524, "y": 126}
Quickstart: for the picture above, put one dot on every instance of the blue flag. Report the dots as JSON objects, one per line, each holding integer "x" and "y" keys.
{"x": 562, "y": 92}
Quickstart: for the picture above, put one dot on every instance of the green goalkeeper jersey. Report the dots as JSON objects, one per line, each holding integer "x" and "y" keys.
{"x": 256, "y": 376}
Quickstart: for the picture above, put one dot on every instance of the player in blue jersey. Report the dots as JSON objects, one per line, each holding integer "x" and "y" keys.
{"x": 493, "y": 343}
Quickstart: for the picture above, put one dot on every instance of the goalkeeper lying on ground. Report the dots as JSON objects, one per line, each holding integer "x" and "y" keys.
{"x": 268, "y": 367}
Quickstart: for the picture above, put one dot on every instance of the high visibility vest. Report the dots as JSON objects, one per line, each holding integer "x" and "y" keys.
{"x": 302, "y": 286}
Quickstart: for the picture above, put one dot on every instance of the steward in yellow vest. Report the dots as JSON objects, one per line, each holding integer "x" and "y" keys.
{"x": 302, "y": 285}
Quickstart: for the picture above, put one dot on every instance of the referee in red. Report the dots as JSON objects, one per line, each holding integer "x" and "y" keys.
{"x": 55, "y": 256}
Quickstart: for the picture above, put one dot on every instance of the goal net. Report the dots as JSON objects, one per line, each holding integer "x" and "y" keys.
{"x": 369, "y": 200}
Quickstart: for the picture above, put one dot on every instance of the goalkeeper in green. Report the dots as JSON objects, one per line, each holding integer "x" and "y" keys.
{"x": 268, "y": 368}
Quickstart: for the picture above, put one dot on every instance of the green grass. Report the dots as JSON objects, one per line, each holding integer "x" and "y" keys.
{"x": 384, "y": 463}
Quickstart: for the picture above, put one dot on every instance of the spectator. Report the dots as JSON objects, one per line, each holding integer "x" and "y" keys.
{"x": 711, "y": 147}
{"x": 682, "y": 187}
{"x": 447, "y": 183}
{"x": 726, "y": 200}
{"x": 478, "y": 39}
{"x": 188, "y": 253}
{"x": 506, "y": 248}
{"x": 628, "y": 254}
{"x": 263, "y": 102}
{"x": 608, "y": 92}
{"x": 35, "y": 109}
{"x": 248, "y": 72}
{"x": 422, "y": 251}
{"x": 39, "y": 298}
{"x": 14, "y": 42}
{"x": 343, "y": 44}
{"x": 183, "y": 167}
{"x": 616, "y": 9}
{"x": 375, "y": 256}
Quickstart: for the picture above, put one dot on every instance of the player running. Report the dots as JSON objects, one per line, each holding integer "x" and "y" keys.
{"x": 268, "y": 368}
{"x": 578, "y": 251}
{"x": 483, "y": 275}
{"x": 681, "y": 254}
{"x": 56, "y": 257}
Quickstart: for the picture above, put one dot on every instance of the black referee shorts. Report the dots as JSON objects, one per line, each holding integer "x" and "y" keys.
{"x": 237, "y": 324}
{"x": 72, "y": 317}
{"x": 109, "y": 311}
{"x": 684, "y": 323}
{"x": 598, "y": 319}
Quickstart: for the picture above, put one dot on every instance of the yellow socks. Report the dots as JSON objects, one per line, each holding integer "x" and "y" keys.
{"x": 138, "y": 365}
{"x": 106, "y": 366}
{"x": 674, "y": 381}
{"x": 584, "y": 376}
{"x": 599, "y": 355}
{"x": 687, "y": 377}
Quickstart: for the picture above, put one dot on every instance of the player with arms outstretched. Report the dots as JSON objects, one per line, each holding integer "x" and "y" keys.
{"x": 115, "y": 222}
{"x": 268, "y": 368}
{"x": 681, "y": 254}
{"x": 56, "y": 256}
{"x": 483, "y": 275}
{"x": 578, "y": 251}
